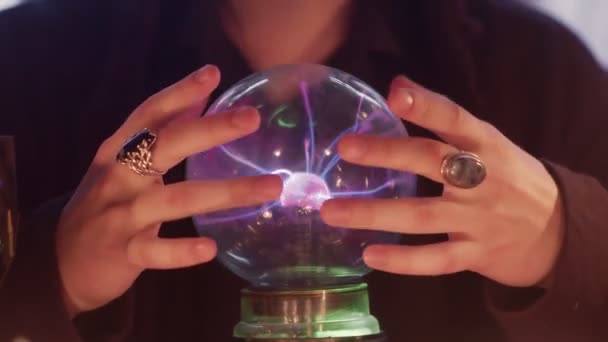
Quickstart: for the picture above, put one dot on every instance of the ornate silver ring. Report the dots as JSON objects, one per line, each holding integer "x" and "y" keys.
{"x": 136, "y": 153}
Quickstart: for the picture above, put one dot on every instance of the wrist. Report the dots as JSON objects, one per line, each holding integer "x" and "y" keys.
{"x": 551, "y": 244}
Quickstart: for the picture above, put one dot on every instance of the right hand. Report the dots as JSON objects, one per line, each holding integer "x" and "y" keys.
{"x": 108, "y": 232}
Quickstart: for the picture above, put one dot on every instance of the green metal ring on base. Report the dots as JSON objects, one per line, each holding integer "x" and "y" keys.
{"x": 371, "y": 338}
{"x": 332, "y": 314}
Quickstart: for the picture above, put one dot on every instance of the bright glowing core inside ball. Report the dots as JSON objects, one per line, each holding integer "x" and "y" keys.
{"x": 304, "y": 190}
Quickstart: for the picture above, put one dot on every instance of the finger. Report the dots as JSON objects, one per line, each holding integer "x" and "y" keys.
{"x": 184, "y": 96}
{"x": 438, "y": 114}
{"x": 405, "y": 215}
{"x": 148, "y": 251}
{"x": 417, "y": 155}
{"x": 184, "y": 199}
{"x": 179, "y": 140}
{"x": 180, "y": 97}
{"x": 427, "y": 260}
{"x": 184, "y": 137}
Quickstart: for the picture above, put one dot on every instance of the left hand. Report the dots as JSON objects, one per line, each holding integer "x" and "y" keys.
{"x": 508, "y": 229}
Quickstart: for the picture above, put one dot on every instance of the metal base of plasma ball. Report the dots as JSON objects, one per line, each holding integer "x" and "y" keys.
{"x": 335, "y": 314}
{"x": 373, "y": 338}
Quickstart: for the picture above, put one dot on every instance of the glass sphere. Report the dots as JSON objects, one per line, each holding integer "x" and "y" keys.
{"x": 305, "y": 110}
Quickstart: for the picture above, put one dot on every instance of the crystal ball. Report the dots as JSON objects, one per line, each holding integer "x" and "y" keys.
{"x": 305, "y": 110}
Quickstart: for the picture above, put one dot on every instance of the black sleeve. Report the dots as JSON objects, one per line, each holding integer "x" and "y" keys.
{"x": 31, "y": 304}
{"x": 574, "y": 307}
{"x": 567, "y": 103}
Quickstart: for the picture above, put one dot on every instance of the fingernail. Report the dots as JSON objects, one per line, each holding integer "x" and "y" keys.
{"x": 269, "y": 186}
{"x": 403, "y": 99}
{"x": 335, "y": 213}
{"x": 352, "y": 147}
{"x": 202, "y": 74}
{"x": 245, "y": 117}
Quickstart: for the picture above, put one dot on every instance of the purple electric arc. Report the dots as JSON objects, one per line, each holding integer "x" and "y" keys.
{"x": 305, "y": 110}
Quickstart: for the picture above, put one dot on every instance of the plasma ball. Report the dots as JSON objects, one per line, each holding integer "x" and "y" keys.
{"x": 306, "y": 110}
{"x": 304, "y": 190}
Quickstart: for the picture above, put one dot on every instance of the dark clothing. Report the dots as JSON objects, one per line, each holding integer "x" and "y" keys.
{"x": 73, "y": 70}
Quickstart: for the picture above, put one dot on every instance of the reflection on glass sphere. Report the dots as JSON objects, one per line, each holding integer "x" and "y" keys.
{"x": 305, "y": 110}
